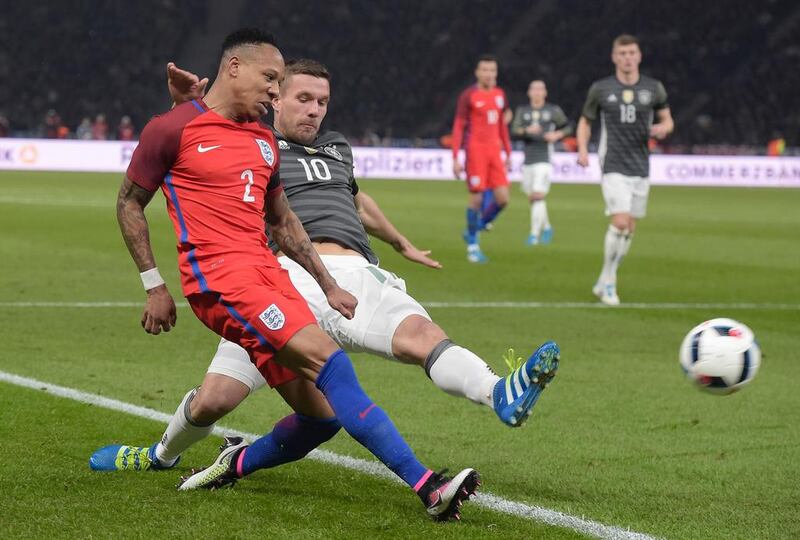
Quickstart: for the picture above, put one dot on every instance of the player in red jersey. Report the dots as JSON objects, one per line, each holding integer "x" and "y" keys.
{"x": 480, "y": 128}
{"x": 217, "y": 166}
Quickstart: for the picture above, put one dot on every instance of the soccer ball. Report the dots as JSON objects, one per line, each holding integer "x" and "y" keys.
{"x": 720, "y": 355}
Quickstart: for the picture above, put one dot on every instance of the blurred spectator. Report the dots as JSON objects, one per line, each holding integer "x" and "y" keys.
{"x": 125, "y": 130}
{"x": 100, "y": 128}
{"x": 5, "y": 126}
{"x": 400, "y": 65}
{"x": 51, "y": 125}
{"x": 84, "y": 129}
{"x": 776, "y": 146}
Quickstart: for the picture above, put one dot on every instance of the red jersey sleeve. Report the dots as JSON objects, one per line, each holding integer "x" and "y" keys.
{"x": 504, "y": 136}
{"x": 155, "y": 154}
{"x": 461, "y": 120}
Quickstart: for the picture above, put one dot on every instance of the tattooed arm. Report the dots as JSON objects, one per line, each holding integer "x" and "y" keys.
{"x": 159, "y": 312}
{"x": 287, "y": 231}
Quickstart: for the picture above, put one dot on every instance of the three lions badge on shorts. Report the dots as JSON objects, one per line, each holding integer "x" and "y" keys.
{"x": 273, "y": 317}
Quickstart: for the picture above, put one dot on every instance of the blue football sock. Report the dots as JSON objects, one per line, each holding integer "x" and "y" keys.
{"x": 365, "y": 421}
{"x": 291, "y": 439}
{"x": 486, "y": 199}
{"x": 490, "y": 212}
{"x": 473, "y": 225}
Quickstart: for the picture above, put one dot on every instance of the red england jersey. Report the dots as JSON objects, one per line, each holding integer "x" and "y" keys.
{"x": 479, "y": 120}
{"x": 215, "y": 174}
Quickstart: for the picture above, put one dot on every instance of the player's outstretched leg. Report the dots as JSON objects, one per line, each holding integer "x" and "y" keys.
{"x": 517, "y": 393}
{"x": 370, "y": 426}
{"x": 180, "y": 434}
{"x": 192, "y": 422}
{"x": 290, "y": 439}
{"x": 121, "y": 457}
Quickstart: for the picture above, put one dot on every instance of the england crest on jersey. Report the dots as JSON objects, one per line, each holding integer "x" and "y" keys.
{"x": 500, "y": 102}
{"x": 273, "y": 317}
{"x": 266, "y": 152}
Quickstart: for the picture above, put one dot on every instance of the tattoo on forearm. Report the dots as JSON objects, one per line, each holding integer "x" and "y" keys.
{"x": 132, "y": 222}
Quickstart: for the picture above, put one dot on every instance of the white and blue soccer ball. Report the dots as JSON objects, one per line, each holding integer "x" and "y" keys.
{"x": 720, "y": 355}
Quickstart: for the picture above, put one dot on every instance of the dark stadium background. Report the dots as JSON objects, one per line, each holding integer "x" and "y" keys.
{"x": 732, "y": 68}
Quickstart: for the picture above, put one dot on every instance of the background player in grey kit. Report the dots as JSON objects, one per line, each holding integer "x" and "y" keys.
{"x": 539, "y": 124}
{"x": 627, "y": 103}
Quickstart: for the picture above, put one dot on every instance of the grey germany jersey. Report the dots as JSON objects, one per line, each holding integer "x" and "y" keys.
{"x": 550, "y": 117}
{"x": 319, "y": 183}
{"x": 626, "y": 115}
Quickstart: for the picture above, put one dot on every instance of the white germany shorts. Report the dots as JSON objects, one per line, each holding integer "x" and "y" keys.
{"x": 536, "y": 178}
{"x": 625, "y": 194}
{"x": 382, "y": 305}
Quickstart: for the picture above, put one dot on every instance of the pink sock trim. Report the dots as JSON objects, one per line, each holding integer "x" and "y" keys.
{"x": 422, "y": 480}
{"x": 239, "y": 463}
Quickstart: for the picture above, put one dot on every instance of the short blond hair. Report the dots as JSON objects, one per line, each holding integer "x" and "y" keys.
{"x": 625, "y": 39}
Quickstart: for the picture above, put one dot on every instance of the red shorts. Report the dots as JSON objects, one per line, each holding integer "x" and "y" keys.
{"x": 258, "y": 308}
{"x": 485, "y": 169}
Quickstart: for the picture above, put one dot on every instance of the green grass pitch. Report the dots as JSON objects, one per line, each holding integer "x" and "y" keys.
{"x": 620, "y": 437}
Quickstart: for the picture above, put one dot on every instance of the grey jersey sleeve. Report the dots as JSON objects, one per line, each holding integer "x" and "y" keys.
{"x": 592, "y": 104}
{"x": 660, "y": 101}
{"x": 518, "y": 124}
{"x": 561, "y": 121}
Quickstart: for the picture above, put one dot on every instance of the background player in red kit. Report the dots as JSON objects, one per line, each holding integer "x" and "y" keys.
{"x": 480, "y": 128}
{"x": 217, "y": 165}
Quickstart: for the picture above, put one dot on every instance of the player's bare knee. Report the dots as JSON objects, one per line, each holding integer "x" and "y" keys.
{"x": 208, "y": 407}
{"x": 307, "y": 351}
{"x": 415, "y": 338}
{"x": 621, "y": 221}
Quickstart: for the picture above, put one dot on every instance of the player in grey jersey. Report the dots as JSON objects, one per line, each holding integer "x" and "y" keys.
{"x": 539, "y": 124}
{"x": 317, "y": 173}
{"x": 626, "y": 103}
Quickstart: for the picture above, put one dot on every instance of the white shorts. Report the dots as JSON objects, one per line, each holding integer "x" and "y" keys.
{"x": 625, "y": 194}
{"x": 382, "y": 305}
{"x": 536, "y": 178}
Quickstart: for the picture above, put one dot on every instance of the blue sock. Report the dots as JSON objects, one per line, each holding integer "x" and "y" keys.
{"x": 486, "y": 200}
{"x": 473, "y": 225}
{"x": 490, "y": 212}
{"x": 291, "y": 439}
{"x": 365, "y": 421}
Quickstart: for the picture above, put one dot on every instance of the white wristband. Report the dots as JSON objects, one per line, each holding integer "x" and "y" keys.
{"x": 151, "y": 279}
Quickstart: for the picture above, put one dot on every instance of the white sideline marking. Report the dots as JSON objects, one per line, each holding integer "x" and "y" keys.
{"x": 486, "y": 500}
{"x": 75, "y": 203}
{"x": 467, "y": 305}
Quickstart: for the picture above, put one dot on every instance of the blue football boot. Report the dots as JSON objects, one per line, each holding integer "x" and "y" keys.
{"x": 120, "y": 457}
{"x": 516, "y": 393}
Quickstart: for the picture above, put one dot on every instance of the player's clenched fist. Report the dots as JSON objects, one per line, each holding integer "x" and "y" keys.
{"x": 342, "y": 301}
{"x": 159, "y": 311}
